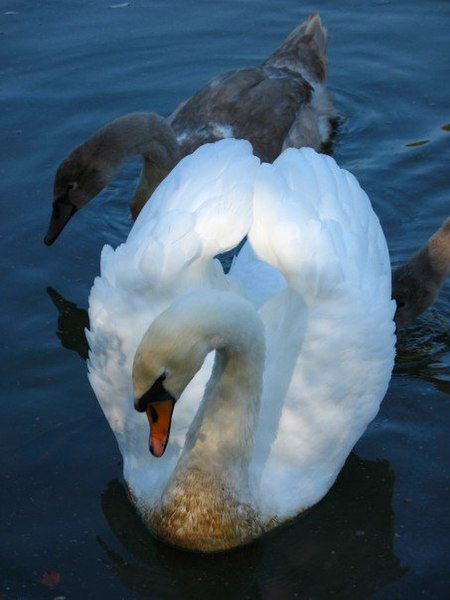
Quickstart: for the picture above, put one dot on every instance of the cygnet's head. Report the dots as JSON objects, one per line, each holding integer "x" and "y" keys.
{"x": 414, "y": 289}
{"x": 416, "y": 284}
{"x": 77, "y": 180}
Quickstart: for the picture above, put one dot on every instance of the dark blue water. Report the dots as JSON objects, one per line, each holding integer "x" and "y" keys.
{"x": 68, "y": 67}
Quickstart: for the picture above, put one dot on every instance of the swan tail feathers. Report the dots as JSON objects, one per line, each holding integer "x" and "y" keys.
{"x": 313, "y": 28}
{"x": 304, "y": 51}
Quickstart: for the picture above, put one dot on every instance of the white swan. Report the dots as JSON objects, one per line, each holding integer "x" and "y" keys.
{"x": 303, "y": 338}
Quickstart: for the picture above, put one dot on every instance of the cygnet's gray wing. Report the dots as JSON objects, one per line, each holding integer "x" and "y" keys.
{"x": 256, "y": 104}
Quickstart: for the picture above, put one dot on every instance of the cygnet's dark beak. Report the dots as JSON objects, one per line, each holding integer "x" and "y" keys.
{"x": 61, "y": 214}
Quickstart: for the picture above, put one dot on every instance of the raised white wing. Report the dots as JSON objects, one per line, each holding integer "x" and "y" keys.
{"x": 330, "y": 334}
{"x": 203, "y": 208}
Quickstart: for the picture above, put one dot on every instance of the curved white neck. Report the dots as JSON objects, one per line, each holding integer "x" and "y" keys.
{"x": 222, "y": 433}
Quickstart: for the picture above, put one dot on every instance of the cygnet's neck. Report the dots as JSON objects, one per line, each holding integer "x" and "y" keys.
{"x": 438, "y": 251}
{"x": 146, "y": 134}
{"x": 431, "y": 263}
{"x": 416, "y": 284}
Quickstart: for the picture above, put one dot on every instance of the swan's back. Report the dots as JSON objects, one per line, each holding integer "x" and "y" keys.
{"x": 283, "y": 103}
{"x": 330, "y": 334}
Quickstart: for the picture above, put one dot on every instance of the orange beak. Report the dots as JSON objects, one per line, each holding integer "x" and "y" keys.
{"x": 159, "y": 416}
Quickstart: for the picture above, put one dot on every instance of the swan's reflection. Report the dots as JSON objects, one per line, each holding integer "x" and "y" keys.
{"x": 423, "y": 351}
{"x": 342, "y": 548}
{"x": 72, "y": 321}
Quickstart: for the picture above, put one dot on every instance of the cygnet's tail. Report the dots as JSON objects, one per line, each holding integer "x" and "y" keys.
{"x": 304, "y": 51}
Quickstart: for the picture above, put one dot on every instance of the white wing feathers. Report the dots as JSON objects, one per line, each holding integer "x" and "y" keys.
{"x": 316, "y": 240}
{"x": 329, "y": 246}
{"x": 202, "y": 209}
{"x": 321, "y": 212}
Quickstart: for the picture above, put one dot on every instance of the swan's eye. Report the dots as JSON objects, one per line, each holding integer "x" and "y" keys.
{"x": 156, "y": 393}
{"x": 401, "y": 303}
{"x": 70, "y": 187}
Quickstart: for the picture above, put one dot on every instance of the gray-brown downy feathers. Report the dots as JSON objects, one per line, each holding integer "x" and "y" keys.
{"x": 416, "y": 284}
{"x": 280, "y": 104}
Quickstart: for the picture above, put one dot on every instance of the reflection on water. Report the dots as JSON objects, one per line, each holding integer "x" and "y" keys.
{"x": 417, "y": 144}
{"x": 342, "y": 548}
{"x": 72, "y": 322}
{"x": 423, "y": 351}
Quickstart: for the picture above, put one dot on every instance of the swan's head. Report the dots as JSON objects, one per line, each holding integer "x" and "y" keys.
{"x": 77, "y": 180}
{"x": 166, "y": 360}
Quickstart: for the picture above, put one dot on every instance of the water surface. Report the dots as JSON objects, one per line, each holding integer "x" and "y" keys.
{"x": 67, "y": 68}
